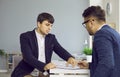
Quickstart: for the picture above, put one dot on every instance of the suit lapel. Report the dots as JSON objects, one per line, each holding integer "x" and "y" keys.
{"x": 46, "y": 48}
{"x": 34, "y": 42}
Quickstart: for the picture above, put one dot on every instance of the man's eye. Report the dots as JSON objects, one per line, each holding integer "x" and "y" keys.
{"x": 47, "y": 24}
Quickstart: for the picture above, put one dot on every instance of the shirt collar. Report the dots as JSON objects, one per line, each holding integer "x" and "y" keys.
{"x": 101, "y": 27}
{"x": 38, "y": 34}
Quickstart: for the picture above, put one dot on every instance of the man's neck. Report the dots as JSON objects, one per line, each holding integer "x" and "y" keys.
{"x": 39, "y": 32}
{"x": 100, "y": 26}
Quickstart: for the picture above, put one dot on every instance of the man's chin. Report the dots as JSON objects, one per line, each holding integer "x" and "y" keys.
{"x": 46, "y": 33}
{"x": 91, "y": 34}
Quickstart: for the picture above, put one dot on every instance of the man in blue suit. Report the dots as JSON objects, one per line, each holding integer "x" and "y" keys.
{"x": 37, "y": 47}
{"x": 106, "y": 44}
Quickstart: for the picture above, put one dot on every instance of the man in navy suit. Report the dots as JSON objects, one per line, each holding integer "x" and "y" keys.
{"x": 106, "y": 44}
{"x": 37, "y": 47}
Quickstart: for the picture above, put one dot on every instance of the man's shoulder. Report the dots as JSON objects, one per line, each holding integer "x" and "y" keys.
{"x": 105, "y": 30}
{"x": 27, "y": 33}
{"x": 50, "y": 35}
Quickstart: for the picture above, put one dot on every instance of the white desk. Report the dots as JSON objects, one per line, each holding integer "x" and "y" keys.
{"x": 68, "y": 72}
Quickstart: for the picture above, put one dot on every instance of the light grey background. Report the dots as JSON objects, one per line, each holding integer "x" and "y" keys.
{"x": 18, "y": 16}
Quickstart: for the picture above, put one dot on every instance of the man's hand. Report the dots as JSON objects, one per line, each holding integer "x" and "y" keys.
{"x": 49, "y": 66}
{"x": 71, "y": 61}
{"x": 83, "y": 64}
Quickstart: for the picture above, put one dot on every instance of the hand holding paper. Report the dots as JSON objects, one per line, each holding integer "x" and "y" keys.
{"x": 83, "y": 64}
{"x": 49, "y": 66}
{"x": 71, "y": 61}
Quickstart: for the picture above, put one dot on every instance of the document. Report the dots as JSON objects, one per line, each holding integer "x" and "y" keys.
{"x": 62, "y": 65}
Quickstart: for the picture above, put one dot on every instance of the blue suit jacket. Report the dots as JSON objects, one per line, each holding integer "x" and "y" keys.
{"x": 29, "y": 48}
{"x": 106, "y": 53}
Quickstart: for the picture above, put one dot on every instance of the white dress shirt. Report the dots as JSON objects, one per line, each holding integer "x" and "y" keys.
{"x": 41, "y": 46}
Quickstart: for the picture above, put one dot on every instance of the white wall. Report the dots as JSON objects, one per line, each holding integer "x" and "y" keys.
{"x": 114, "y": 16}
{"x": 96, "y": 2}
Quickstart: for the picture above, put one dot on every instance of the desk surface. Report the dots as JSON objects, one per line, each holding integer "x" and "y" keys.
{"x": 62, "y": 69}
{"x": 57, "y": 70}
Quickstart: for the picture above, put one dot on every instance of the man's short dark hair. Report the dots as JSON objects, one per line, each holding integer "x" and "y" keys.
{"x": 45, "y": 16}
{"x": 95, "y": 11}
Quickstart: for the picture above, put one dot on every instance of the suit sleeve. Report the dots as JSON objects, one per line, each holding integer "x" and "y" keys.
{"x": 60, "y": 51}
{"x": 28, "y": 56}
{"x": 105, "y": 58}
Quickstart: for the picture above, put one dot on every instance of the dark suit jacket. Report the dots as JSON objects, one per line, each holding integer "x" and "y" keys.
{"x": 106, "y": 53}
{"x": 29, "y": 48}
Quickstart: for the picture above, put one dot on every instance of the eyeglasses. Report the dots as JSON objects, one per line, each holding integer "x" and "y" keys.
{"x": 85, "y": 23}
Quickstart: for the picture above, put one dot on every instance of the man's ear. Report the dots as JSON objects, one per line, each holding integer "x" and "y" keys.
{"x": 38, "y": 24}
{"x": 92, "y": 23}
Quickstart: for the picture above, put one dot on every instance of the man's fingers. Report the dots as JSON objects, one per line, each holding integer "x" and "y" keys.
{"x": 50, "y": 66}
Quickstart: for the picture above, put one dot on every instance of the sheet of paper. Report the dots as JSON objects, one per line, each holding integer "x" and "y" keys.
{"x": 62, "y": 65}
